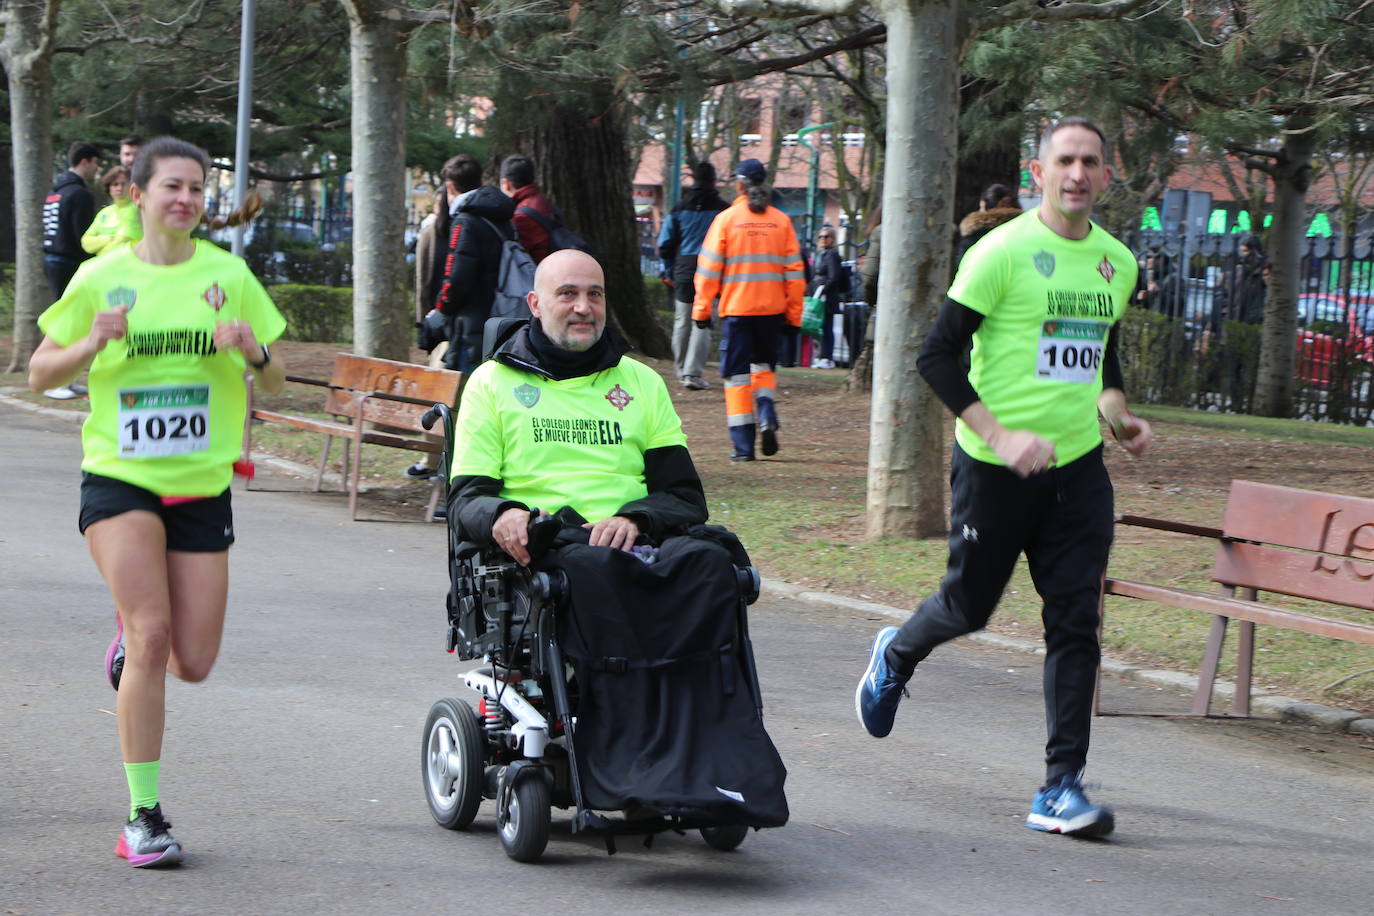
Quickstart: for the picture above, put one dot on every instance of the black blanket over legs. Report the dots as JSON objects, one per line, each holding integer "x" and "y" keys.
{"x": 666, "y": 719}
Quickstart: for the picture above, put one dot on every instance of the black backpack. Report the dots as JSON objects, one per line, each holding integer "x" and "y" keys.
{"x": 514, "y": 278}
{"x": 560, "y": 236}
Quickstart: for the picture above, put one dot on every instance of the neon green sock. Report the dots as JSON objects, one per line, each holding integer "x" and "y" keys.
{"x": 142, "y": 784}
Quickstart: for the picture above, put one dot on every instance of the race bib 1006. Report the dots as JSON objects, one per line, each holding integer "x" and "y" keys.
{"x": 1070, "y": 350}
{"x": 170, "y": 420}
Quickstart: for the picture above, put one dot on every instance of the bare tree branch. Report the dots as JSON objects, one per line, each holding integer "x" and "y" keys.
{"x": 787, "y": 9}
{"x": 1054, "y": 11}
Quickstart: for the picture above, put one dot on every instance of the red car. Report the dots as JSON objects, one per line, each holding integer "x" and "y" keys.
{"x": 1321, "y": 345}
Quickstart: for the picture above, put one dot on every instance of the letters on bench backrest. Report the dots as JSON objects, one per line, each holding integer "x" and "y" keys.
{"x": 1312, "y": 545}
{"x": 353, "y": 374}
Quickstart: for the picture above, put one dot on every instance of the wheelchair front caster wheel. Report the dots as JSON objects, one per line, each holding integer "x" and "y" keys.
{"x": 525, "y": 832}
{"x": 451, "y": 763}
{"x": 726, "y": 837}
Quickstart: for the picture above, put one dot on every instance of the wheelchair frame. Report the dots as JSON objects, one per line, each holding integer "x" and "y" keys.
{"x": 518, "y": 748}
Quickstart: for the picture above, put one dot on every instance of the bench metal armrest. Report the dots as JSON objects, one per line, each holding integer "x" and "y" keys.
{"x": 1160, "y": 524}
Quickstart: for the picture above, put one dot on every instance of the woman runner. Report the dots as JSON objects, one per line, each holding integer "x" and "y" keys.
{"x": 118, "y": 223}
{"x": 167, "y": 327}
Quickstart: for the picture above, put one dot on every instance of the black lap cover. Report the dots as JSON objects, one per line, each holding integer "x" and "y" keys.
{"x": 666, "y": 719}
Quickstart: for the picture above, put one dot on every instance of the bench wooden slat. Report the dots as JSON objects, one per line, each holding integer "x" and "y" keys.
{"x": 1303, "y": 519}
{"x": 313, "y": 424}
{"x": 1338, "y": 580}
{"x": 381, "y": 402}
{"x": 1239, "y": 609}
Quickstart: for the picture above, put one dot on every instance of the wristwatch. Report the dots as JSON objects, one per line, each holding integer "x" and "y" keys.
{"x": 266, "y": 358}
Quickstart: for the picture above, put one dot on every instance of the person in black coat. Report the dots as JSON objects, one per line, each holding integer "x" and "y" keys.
{"x": 480, "y": 227}
{"x": 67, "y": 213}
{"x": 831, "y": 276}
{"x": 1248, "y": 287}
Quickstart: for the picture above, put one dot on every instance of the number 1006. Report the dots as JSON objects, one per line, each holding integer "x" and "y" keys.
{"x": 1087, "y": 357}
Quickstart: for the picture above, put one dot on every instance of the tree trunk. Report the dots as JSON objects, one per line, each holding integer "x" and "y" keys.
{"x": 582, "y": 158}
{"x": 905, "y": 483}
{"x": 1292, "y": 174}
{"x": 6, "y": 179}
{"x": 381, "y": 309}
{"x": 26, "y": 51}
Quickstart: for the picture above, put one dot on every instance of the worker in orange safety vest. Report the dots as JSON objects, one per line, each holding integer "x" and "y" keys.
{"x": 751, "y": 261}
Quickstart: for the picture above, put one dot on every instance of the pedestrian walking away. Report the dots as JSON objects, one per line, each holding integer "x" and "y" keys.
{"x": 1039, "y": 297}
{"x": 752, "y": 262}
{"x": 167, "y": 326}
{"x": 679, "y": 243}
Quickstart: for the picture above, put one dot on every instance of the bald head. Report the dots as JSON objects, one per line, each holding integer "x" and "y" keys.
{"x": 569, "y": 299}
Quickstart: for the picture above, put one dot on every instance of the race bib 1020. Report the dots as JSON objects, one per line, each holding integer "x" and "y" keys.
{"x": 167, "y": 420}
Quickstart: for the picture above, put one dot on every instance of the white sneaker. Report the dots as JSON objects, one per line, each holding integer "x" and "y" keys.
{"x": 61, "y": 394}
{"x": 823, "y": 364}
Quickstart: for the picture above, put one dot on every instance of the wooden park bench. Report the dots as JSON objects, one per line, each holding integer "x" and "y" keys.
{"x": 374, "y": 402}
{"x": 1299, "y": 543}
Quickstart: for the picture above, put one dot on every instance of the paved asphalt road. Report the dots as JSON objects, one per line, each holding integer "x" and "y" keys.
{"x": 292, "y": 774}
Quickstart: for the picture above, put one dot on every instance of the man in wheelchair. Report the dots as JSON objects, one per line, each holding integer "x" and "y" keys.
{"x": 569, "y": 457}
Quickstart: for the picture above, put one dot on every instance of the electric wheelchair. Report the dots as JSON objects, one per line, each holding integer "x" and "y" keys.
{"x": 522, "y": 746}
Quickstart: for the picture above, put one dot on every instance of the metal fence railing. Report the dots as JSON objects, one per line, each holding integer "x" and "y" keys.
{"x": 1194, "y": 340}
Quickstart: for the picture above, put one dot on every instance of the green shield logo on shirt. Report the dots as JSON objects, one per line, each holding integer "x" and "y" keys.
{"x": 1044, "y": 262}
{"x": 121, "y": 295}
{"x": 526, "y": 394}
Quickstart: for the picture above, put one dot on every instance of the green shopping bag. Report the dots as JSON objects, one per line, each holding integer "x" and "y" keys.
{"x": 813, "y": 313}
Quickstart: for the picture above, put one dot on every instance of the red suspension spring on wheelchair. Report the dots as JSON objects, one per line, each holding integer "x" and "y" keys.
{"x": 493, "y": 716}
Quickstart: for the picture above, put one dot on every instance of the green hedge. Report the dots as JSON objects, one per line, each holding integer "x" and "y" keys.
{"x": 315, "y": 313}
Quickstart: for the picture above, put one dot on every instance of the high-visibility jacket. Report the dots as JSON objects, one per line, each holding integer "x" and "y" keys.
{"x": 753, "y": 263}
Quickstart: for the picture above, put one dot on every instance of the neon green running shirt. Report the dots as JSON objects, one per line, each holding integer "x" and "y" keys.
{"x": 1047, "y": 304}
{"x": 115, "y": 225}
{"x": 167, "y": 407}
{"x": 579, "y": 442}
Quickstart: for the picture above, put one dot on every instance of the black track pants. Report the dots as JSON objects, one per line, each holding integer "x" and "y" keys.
{"x": 1062, "y": 520}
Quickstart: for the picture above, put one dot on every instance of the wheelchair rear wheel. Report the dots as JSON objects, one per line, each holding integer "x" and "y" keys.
{"x": 525, "y": 832}
{"x": 726, "y": 837}
{"x": 451, "y": 763}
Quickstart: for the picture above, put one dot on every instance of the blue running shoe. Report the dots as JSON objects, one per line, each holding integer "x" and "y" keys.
{"x": 879, "y": 690}
{"x": 1063, "y": 808}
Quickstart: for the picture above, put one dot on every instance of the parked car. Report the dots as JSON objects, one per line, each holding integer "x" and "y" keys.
{"x": 1333, "y": 328}
{"x": 270, "y": 230}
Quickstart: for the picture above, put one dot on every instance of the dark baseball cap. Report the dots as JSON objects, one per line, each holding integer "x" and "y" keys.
{"x": 751, "y": 170}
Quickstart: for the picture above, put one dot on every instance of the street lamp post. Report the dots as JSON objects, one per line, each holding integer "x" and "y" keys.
{"x": 802, "y": 136}
{"x": 245, "y": 117}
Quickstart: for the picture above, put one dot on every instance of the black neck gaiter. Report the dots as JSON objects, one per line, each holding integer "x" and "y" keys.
{"x": 565, "y": 364}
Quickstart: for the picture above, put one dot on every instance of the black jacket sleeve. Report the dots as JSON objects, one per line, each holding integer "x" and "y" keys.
{"x": 80, "y": 217}
{"x": 941, "y": 360}
{"x": 676, "y": 499}
{"x": 1111, "y": 363}
{"x": 476, "y": 503}
{"x": 463, "y": 266}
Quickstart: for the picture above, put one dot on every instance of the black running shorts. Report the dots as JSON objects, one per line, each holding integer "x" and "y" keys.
{"x": 199, "y": 526}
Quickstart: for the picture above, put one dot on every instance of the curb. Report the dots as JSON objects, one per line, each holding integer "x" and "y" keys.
{"x": 1286, "y": 709}
{"x": 31, "y": 407}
